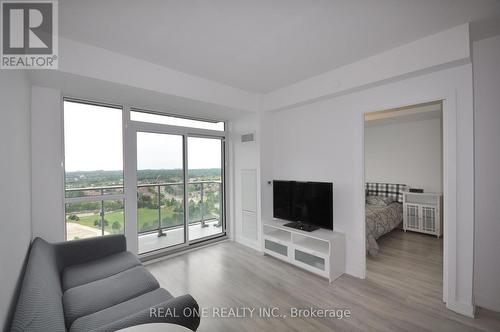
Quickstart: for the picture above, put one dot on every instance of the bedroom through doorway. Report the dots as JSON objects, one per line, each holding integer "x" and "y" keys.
{"x": 403, "y": 154}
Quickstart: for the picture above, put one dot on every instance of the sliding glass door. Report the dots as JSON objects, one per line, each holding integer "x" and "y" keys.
{"x": 160, "y": 191}
{"x": 162, "y": 161}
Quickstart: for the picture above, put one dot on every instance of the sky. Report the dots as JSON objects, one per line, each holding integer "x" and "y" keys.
{"x": 93, "y": 141}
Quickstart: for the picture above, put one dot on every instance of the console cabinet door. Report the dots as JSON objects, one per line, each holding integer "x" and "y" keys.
{"x": 429, "y": 219}
{"x": 412, "y": 217}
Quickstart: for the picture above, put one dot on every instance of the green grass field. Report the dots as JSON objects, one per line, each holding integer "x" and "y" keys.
{"x": 111, "y": 217}
{"x": 147, "y": 219}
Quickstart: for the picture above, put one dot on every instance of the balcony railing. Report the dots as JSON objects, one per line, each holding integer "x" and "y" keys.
{"x": 152, "y": 200}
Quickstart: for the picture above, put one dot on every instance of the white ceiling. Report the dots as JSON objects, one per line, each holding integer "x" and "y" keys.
{"x": 261, "y": 45}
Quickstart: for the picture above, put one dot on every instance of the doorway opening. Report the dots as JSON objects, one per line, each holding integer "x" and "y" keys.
{"x": 179, "y": 189}
{"x": 404, "y": 185}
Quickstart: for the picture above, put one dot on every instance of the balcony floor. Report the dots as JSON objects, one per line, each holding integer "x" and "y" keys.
{"x": 151, "y": 241}
{"x": 77, "y": 231}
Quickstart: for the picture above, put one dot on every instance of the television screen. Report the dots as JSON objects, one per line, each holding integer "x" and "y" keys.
{"x": 305, "y": 202}
{"x": 282, "y": 199}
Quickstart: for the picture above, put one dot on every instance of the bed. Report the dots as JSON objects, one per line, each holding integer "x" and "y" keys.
{"x": 383, "y": 211}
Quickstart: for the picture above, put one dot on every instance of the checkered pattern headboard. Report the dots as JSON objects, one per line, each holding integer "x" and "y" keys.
{"x": 394, "y": 191}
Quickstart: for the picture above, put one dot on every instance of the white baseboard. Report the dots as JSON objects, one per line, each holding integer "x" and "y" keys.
{"x": 166, "y": 256}
{"x": 487, "y": 302}
{"x": 465, "y": 309}
{"x": 248, "y": 243}
{"x": 355, "y": 272}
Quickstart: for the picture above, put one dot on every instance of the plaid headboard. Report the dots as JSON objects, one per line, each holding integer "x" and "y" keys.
{"x": 394, "y": 191}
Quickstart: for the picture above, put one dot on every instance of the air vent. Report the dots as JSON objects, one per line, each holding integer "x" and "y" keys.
{"x": 247, "y": 138}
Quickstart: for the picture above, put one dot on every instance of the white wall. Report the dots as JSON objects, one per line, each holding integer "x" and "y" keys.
{"x": 408, "y": 152}
{"x": 486, "y": 62}
{"x": 15, "y": 198}
{"x": 46, "y": 161}
{"x": 266, "y": 166}
{"x": 323, "y": 141}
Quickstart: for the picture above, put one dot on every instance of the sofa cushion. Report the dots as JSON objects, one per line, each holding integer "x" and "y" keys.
{"x": 81, "y": 251}
{"x": 117, "y": 312}
{"x": 80, "y": 274}
{"x": 97, "y": 295}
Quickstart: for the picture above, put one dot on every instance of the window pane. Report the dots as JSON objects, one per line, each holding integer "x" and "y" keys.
{"x": 175, "y": 121}
{"x": 93, "y": 150}
{"x": 160, "y": 181}
{"x": 205, "y": 186}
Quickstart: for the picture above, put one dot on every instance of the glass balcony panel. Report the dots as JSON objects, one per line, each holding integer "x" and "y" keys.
{"x": 114, "y": 217}
{"x": 172, "y": 205}
{"x": 94, "y": 191}
{"x": 83, "y": 220}
{"x": 147, "y": 208}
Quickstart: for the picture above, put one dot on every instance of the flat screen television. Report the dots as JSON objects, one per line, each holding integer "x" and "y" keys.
{"x": 309, "y": 205}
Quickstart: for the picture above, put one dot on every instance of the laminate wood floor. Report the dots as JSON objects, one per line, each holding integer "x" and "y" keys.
{"x": 402, "y": 292}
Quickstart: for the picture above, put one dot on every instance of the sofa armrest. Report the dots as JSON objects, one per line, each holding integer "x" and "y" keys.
{"x": 85, "y": 250}
{"x": 182, "y": 310}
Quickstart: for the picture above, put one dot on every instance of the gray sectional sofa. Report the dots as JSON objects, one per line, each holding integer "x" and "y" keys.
{"x": 93, "y": 285}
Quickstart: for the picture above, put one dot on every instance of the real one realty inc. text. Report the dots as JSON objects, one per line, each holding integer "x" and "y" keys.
{"x": 250, "y": 312}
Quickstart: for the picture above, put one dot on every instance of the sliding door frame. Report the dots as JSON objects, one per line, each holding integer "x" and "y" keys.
{"x": 130, "y": 130}
{"x": 222, "y": 208}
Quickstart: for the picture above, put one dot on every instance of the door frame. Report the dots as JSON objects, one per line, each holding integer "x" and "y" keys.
{"x": 449, "y": 155}
{"x": 130, "y": 129}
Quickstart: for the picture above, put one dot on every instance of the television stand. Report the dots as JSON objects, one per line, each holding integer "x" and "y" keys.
{"x": 321, "y": 252}
{"x": 301, "y": 226}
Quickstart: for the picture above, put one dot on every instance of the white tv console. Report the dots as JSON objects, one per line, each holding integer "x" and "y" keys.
{"x": 321, "y": 251}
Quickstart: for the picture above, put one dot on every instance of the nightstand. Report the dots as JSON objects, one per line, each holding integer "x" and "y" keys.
{"x": 422, "y": 212}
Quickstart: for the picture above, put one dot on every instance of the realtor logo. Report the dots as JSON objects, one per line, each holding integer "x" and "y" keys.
{"x": 29, "y": 35}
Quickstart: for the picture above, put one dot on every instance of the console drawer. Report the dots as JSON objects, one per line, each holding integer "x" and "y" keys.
{"x": 276, "y": 247}
{"x": 311, "y": 260}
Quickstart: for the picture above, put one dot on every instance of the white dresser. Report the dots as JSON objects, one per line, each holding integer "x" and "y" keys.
{"x": 422, "y": 212}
